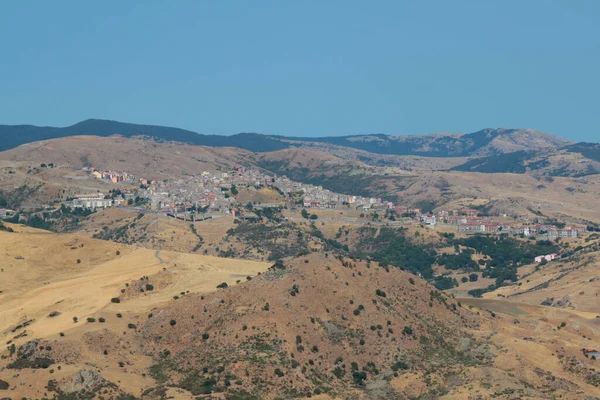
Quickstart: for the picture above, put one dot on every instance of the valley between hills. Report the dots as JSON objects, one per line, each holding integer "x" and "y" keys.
{"x": 137, "y": 265}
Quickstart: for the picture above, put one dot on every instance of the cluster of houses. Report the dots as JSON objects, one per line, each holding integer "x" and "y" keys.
{"x": 416, "y": 212}
{"x": 329, "y": 200}
{"x": 113, "y": 176}
{"x": 550, "y": 231}
{"x": 210, "y": 190}
{"x": 317, "y": 197}
{"x": 452, "y": 217}
{"x": 213, "y": 191}
{"x": 182, "y": 194}
{"x": 467, "y": 221}
{"x": 489, "y": 226}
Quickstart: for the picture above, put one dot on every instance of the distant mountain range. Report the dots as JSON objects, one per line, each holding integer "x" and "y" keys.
{"x": 480, "y": 143}
{"x": 485, "y": 142}
{"x": 15, "y": 135}
{"x": 487, "y": 151}
{"x": 575, "y": 160}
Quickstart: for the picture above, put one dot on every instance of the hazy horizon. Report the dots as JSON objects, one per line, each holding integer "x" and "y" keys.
{"x": 277, "y": 134}
{"x": 304, "y": 69}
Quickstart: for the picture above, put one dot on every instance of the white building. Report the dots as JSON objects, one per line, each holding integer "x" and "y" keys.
{"x": 92, "y": 201}
{"x": 5, "y": 212}
{"x": 548, "y": 257}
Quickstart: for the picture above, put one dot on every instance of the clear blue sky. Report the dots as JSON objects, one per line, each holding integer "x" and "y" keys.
{"x": 305, "y": 68}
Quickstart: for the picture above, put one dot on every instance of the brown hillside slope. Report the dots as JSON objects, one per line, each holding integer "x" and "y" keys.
{"x": 409, "y": 162}
{"x": 302, "y": 330}
{"x": 75, "y": 276}
{"x": 509, "y": 193}
{"x": 299, "y": 328}
{"x": 26, "y": 185}
{"x": 570, "y": 283}
{"x": 317, "y": 325}
{"x": 563, "y": 163}
{"x": 144, "y": 158}
{"x": 522, "y": 139}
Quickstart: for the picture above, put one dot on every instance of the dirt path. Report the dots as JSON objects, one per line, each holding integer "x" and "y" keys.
{"x": 502, "y": 306}
{"x": 156, "y": 255}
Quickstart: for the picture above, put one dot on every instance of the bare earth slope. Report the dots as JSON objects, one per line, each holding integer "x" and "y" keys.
{"x": 509, "y": 193}
{"x": 74, "y": 275}
{"x": 510, "y": 140}
{"x": 315, "y": 326}
{"x": 570, "y": 283}
{"x": 144, "y": 158}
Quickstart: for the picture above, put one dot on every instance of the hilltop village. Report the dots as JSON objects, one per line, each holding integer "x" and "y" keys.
{"x": 214, "y": 193}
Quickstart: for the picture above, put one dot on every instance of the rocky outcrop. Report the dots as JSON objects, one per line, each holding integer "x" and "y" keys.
{"x": 564, "y": 302}
{"x": 28, "y": 349}
{"x": 84, "y": 380}
{"x": 27, "y": 357}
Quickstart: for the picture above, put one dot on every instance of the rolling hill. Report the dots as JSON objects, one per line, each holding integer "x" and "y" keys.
{"x": 420, "y": 181}
{"x": 483, "y": 142}
{"x": 154, "y": 320}
{"x": 82, "y": 316}
{"x": 144, "y": 158}
{"x": 16, "y": 135}
{"x": 480, "y": 143}
{"x": 574, "y": 160}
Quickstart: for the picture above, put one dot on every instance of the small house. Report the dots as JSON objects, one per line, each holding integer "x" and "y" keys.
{"x": 548, "y": 257}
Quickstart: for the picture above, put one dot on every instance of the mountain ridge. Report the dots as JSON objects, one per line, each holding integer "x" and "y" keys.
{"x": 575, "y": 160}
{"x": 481, "y": 143}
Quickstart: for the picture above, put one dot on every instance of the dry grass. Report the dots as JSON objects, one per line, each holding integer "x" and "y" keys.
{"x": 42, "y": 275}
